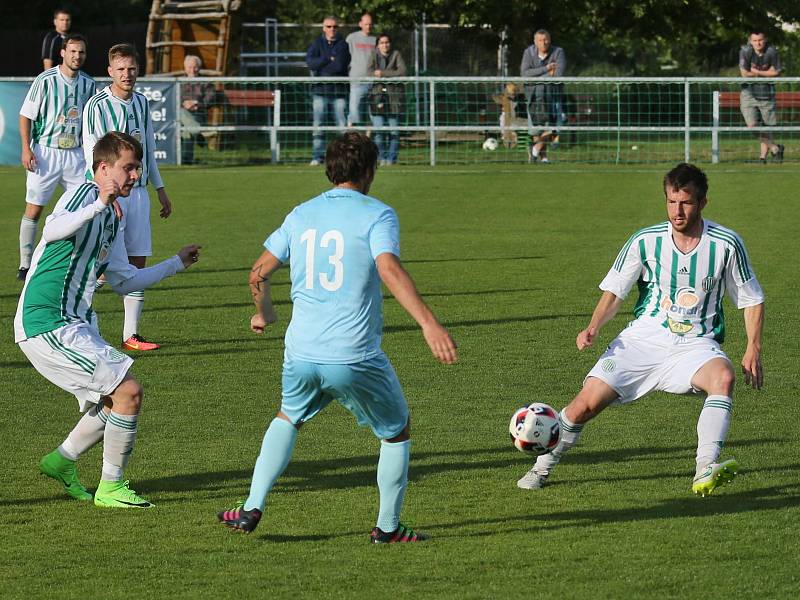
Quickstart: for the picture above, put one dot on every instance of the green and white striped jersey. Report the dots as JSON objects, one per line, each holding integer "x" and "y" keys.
{"x": 105, "y": 112}
{"x": 78, "y": 243}
{"x": 684, "y": 292}
{"x": 55, "y": 104}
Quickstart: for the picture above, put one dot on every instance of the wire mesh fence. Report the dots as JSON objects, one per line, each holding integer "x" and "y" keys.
{"x": 449, "y": 120}
{"x": 444, "y": 120}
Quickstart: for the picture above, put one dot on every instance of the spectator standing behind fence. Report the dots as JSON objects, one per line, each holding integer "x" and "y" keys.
{"x": 362, "y": 47}
{"x": 54, "y": 40}
{"x": 386, "y": 99}
{"x": 543, "y": 100}
{"x": 328, "y": 56}
{"x": 757, "y": 101}
{"x": 196, "y": 98}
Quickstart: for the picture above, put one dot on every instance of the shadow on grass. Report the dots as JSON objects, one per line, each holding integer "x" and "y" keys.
{"x": 476, "y": 259}
{"x": 687, "y": 506}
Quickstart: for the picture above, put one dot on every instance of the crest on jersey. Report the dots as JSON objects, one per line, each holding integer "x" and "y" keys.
{"x": 73, "y": 113}
{"x": 708, "y": 284}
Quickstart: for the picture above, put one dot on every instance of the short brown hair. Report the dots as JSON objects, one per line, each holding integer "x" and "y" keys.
{"x": 687, "y": 178}
{"x": 351, "y": 157}
{"x": 109, "y": 148}
{"x": 122, "y": 51}
{"x": 74, "y": 37}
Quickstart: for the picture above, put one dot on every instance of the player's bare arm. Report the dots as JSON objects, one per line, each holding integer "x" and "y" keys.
{"x": 751, "y": 361}
{"x": 28, "y": 159}
{"x": 401, "y": 285}
{"x": 262, "y": 270}
{"x": 166, "y": 205}
{"x": 606, "y": 309}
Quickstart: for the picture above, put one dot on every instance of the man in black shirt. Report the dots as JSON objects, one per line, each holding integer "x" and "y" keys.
{"x": 51, "y": 45}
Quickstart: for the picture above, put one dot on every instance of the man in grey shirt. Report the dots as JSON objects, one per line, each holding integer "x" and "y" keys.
{"x": 757, "y": 101}
{"x": 362, "y": 47}
{"x": 545, "y": 109}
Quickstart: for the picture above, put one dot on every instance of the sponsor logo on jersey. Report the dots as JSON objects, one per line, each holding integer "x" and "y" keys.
{"x": 137, "y": 134}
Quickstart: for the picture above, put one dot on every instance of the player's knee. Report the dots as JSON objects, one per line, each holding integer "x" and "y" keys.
{"x": 722, "y": 380}
{"x": 33, "y": 211}
{"x": 128, "y": 397}
{"x": 402, "y": 436}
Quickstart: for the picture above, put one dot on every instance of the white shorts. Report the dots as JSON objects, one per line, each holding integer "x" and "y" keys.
{"x": 76, "y": 359}
{"x": 641, "y": 360}
{"x": 54, "y": 166}
{"x": 136, "y": 222}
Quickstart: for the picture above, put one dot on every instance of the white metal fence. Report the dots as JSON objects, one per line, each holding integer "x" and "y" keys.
{"x": 446, "y": 120}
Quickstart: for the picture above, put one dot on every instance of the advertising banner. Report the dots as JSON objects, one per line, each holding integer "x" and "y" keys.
{"x": 12, "y": 94}
{"x": 161, "y": 96}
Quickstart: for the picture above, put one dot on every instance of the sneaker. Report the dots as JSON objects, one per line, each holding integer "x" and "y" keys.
{"x": 63, "y": 470}
{"x": 315, "y": 163}
{"x": 532, "y": 480}
{"x": 401, "y": 535}
{"x": 778, "y": 156}
{"x": 117, "y": 494}
{"x": 715, "y": 474}
{"x": 137, "y": 342}
{"x": 22, "y": 273}
{"x": 532, "y": 155}
{"x": 240, "y": 519}
{"x": 544, "y": 159}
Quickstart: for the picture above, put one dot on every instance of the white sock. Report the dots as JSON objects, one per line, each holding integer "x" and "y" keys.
{"x": 88, "y": 431}
{"x": 570, "y": 432}
{"x": 27, "y": 241}
{"x": 712, "y": 429}
{"x": 120, "y": 434}
{"x": 133, "y": 303}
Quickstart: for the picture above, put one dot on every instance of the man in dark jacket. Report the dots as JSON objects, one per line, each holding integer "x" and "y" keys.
{"x": 328, "y": 56}
{"x": 545, "y": 110}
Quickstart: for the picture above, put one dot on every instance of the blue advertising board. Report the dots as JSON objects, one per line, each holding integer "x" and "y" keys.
{"x": 160, "y": 95}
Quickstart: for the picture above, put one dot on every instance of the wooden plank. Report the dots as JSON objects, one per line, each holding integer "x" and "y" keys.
{"x": 182, "y": 43}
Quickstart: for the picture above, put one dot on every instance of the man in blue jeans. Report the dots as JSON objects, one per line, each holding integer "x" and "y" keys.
{"x": 328, "y": 56}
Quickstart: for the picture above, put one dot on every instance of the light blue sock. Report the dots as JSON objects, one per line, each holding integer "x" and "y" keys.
{"x": 276, "y": 451}
{"x": 392, "y": 482}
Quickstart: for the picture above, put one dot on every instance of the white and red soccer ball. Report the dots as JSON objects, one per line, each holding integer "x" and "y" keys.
{"x": 535, "y": 429}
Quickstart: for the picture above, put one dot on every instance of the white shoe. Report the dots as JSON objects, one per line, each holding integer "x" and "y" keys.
{"x": 532, "y": 480}
{"x": 315, "y": 163}
{"x": 543, "y": 159}
{"x": 714, "y": 475}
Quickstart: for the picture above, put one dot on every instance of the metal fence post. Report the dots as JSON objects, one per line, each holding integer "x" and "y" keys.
{"x": 179, "y": 127}
{"x": 715, "y": 127}
{"x": 432, "y": 125}
{"x": 687, "y": 122}
{"x": 274, "y": 148}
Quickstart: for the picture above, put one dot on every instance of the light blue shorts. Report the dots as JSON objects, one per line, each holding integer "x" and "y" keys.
{"x": 368, "y": 389}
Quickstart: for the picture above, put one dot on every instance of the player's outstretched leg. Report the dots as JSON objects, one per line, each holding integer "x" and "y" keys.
{"x": 537, "y": 476}
{"x": 392, "y": 483}
{"x": 276, "y": 451}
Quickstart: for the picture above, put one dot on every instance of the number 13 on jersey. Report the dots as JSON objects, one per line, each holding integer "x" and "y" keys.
{"x": 330, "y": 238}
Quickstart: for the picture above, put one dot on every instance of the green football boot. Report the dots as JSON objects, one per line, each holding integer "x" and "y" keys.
{"x": 63, "y": 470}
{"x": 117, "y": 494}
{"x": 714, "y": 475}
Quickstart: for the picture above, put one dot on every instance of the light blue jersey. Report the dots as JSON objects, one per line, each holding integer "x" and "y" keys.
{"x": 331, "y": 243}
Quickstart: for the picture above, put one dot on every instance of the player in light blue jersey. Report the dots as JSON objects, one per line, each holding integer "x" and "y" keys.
{"x": 682, "y": 268}
{"x": 340, "y": 246}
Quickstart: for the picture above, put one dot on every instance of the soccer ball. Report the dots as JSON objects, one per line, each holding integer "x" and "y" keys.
{"x": 490, "y": 144}
{"x": 535, "y": 429}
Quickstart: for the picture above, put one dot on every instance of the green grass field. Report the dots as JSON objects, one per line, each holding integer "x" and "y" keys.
{"x": 510, "y": 259}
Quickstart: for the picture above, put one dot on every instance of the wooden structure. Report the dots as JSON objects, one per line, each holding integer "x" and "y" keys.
{"x": 205, "y": 28}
